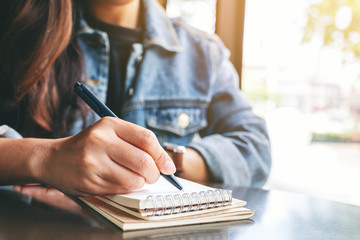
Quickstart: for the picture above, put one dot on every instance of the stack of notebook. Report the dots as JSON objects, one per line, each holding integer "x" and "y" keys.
{"x": 162, "y": 205}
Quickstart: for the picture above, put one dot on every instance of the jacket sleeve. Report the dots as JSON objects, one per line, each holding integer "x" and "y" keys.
{"x": 235, "y": 144}
{"x": 8, "y": 132}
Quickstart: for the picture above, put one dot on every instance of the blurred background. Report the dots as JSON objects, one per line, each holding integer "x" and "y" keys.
{"x": 299, "y": 63}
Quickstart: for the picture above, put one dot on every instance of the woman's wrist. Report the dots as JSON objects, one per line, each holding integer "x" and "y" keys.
{"x": 194, "y": 166}
{"x": 20, "y": 160}
{"x": 37, "y": 153}
{"x": 36, "y": 158}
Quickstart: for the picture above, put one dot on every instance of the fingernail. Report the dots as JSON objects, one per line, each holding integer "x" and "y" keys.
{"x": 169, "y": 167}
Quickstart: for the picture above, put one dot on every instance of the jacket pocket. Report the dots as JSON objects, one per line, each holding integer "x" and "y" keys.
{"x": 179, "y": 121}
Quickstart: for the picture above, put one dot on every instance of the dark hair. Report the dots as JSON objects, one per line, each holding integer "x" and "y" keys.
{"x": 40, "y": 57}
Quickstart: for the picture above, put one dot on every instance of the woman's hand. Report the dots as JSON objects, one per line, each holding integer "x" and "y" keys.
{"x": 49, "y": 196}
{"x": 111, "y": 156}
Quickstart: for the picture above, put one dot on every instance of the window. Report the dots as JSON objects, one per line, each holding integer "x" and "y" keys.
{"x": 301, "y": 71}
{"x": 198, "y": 13}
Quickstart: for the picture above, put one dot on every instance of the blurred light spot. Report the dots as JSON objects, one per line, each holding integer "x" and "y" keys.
{"x": 354, "y": 37}
{"x": 343, "y": 17}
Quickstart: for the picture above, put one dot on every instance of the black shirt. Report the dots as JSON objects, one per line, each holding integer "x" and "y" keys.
{"x": 121, "y": 41}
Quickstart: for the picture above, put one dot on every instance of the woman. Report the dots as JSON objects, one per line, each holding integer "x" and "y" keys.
{"x": 154, "y": 72}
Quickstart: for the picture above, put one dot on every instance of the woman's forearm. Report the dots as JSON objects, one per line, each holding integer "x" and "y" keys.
{"x": 20, "y": 159}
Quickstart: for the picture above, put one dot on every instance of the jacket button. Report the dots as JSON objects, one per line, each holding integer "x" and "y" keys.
{"x": 183, "y": 120}
{"x": 131, "y": 92}
{"x": 139, "y": 59}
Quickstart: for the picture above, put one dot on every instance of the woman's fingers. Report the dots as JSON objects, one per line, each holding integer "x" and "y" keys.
{"x": 103, "y": 138}
{"x": 50, "y": 196}
{"x": 134, "y": 159}
{"x": 146, "y": 140}
{"x": 123, "y": 178}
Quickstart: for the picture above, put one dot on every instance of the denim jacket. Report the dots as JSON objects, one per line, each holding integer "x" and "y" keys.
{"x": 180, "y": 84}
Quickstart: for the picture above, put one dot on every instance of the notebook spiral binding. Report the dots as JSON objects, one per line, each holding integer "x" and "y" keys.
{"x": 194, "y": 201}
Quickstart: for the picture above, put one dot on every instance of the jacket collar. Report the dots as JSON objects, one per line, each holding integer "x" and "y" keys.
{"x": 158, "y": 28}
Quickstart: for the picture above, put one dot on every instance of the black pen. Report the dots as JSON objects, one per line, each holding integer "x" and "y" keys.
{"x": 103, "y": 111}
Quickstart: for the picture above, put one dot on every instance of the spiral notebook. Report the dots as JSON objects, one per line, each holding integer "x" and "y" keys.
{"x": 162, "y": 205}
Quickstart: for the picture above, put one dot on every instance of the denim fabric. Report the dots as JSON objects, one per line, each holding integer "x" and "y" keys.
{"x": 181, "y": 84}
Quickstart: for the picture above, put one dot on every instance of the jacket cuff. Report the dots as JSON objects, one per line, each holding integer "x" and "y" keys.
{"x": 8, "y": 132}
{"x": 225, "y": 163}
